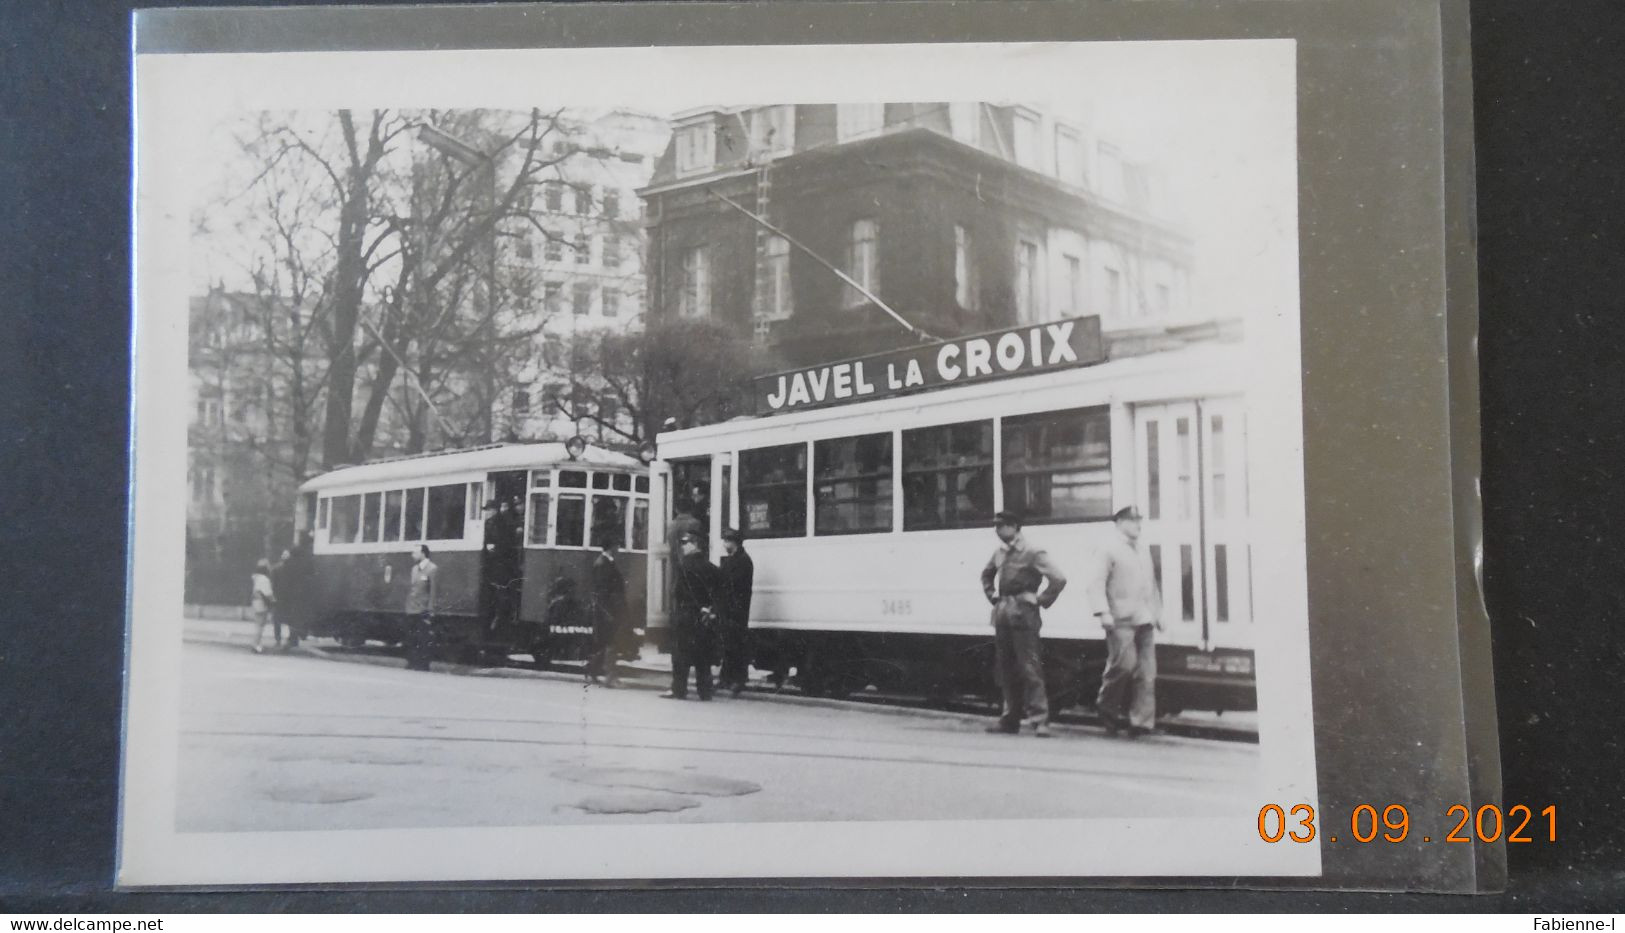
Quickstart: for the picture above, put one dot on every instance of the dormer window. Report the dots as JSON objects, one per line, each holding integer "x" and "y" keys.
{"x": 853, "y": 121}
{"x": 696, "y": 148}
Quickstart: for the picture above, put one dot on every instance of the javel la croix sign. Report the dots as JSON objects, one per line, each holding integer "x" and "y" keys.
{"x": 1017, "y": 351}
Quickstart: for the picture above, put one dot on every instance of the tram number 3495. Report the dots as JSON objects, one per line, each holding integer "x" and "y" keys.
{"x": 896, "y": 607}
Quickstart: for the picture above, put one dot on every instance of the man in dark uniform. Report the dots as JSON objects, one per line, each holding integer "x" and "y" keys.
{"x": 738, "y": 577}
{"x": 496, "y": 567}
{"x": 696, "y": 586}
{"x": 608, "y": 613}
{"x": 293, "y": 589}
{"x": 1012, "y": 581}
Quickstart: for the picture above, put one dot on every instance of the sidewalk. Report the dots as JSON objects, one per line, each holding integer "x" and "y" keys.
{"x": 651, "y": 671}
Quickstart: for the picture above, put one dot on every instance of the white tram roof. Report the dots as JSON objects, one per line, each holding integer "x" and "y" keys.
{"x": 469, "y": 460}
{"x": 1200, "y": 371}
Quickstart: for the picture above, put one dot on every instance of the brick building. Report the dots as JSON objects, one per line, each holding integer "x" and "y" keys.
{"x": 963, "y": 217}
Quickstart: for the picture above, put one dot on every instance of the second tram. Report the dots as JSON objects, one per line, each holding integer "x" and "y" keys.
{"x": 368, "y": 521}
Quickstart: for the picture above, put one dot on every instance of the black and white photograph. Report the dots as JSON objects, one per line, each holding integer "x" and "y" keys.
{"x": 730, "y": 462}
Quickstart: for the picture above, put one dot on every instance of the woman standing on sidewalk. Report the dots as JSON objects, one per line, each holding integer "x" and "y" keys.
{"x": 263, "y": 599}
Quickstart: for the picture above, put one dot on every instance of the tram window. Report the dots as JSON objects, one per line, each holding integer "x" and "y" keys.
{"x": 576, "y": 479}
{"x": 392, "y": 515}
{"x": 346, "y": 520}
{"x": 446, "y": 512}
{"x": 369, "y": 516}
{"x": 641, "y": 484}
{"x": 640, "y": 525}
{"x": 852, "y": 485}
{"x": 773, "y": 491}
{"x": 600, "y": 481}
{"x": 541, "y": 478}
{"x": 538, "y": 519}
{"x": 1058, "y": 466}
{"x": 608, "y": 521}
{"x": 572, "y": 524}
{"x": 321, "y": 512}
{"x": 414, "y": 514}
{"x": 948, "y": 476}
{"x": 476, "y": 497}
{"x": 623, "y": 481}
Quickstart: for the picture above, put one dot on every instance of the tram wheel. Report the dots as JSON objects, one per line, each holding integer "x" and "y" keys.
{"x": 352, "y": 641}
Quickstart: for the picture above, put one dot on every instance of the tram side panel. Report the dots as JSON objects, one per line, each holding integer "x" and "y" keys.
{"x": 906, "y": 611}
{"x": 569, "y": 634}
{"x": 363, "y": 596}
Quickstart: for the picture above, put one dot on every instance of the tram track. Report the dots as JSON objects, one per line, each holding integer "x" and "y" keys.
{"x": 961, "y": 705}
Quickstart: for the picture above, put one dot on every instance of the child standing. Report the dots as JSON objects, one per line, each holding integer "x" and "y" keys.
{"x": 263, "y": 600}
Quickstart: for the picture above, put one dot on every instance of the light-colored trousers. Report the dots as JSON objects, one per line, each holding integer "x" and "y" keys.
{"x": 1128, "y": 688}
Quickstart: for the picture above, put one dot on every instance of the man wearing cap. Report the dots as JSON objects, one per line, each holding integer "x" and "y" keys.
{"x": 738, "y": 578}
{"x": 1128, "y": 688}
{"x": 494, "y": 566}
{"x": 696, "y": 587}
{"x": 1019, "y": 580}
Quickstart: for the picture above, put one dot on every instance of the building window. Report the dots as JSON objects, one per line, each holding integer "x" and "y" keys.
{"x": 612, "y": 205}
{"x": 555, "y": 196}
{"x": 554, "y": 250}
{"x": 772, "y": 130}
{"x": 695, "y": 298}
{"x": 855, "y": 120}
{"x": 1025, "y": 140}
{"x": 852, "y": 485}
{"x": 1114, "y": 291}
{"x": 552, "y": 297}
{"x": 1027, "y": 277}
{"x": 581, "y": 299}
{"x": 584, "y": 200}
{"x": 948, "y": 476}
{"x": 1074, "y": 284}
{"x": 612, "y": 251}
{"x": 696, "y": 148}
{"x": 521, "y": 402}
{"x": 1110, "y": 162}
{"x": 773, "y": 491}
{"x": 861, "y": 264}
{"x": 1057, "y": 465}
{"x": 1068, "y": 155}
{"x": 965, "y": 285}
{"x": 965, "y": 122}
{"x": 522, "y": 249}
{"x": 524, "y": 290}
{"x": 583, "y": 249}
{"x": 776, "y": 300}
{"x": 612, "y": 301}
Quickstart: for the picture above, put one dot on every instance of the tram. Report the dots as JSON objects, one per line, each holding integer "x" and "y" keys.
{"x": 567, "y": 500}
{"x": 869, "y": 518}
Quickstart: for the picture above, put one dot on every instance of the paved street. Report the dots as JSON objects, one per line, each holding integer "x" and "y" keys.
{"x": 300, "y": 742}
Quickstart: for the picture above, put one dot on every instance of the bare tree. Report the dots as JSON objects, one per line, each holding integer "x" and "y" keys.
{"x": 684, "y": 370}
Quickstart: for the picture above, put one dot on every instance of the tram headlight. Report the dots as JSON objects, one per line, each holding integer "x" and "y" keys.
{"x": 575, "y": 447}
{"x": 646, "y": 452}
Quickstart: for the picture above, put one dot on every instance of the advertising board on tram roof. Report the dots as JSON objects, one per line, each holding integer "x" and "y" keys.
{"x": 1000, "y": 354}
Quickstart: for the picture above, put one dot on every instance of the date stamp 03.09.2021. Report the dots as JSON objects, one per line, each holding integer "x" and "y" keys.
{"x": 1392, "y": 825}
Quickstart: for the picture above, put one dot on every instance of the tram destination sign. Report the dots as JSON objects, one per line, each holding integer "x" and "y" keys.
{"x": 1017, "y": 351}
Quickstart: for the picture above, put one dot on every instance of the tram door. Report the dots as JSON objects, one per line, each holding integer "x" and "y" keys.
{"x": 690, "y": 499}
{"x": 1192, "y": 490}
{"x": 502, "y": 563}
